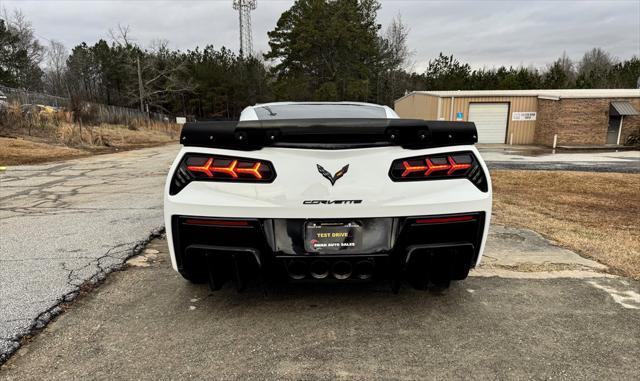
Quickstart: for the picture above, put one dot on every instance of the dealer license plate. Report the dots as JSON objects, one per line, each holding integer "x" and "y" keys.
{"x": 323, "y": 237}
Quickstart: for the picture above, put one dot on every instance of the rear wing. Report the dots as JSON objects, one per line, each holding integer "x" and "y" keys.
{"x": 328, "y": 133}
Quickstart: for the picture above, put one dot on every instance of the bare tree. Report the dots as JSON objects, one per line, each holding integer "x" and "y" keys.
{"x": 163, "y": 73}
{"x": 594, "y": 70}
{"x": 121, "y": 35}
{"x": 18, "y": 23}
{"x": 398, "y": 52}
{"x": 395, "y": 58}
{"x": 56, "y": 68}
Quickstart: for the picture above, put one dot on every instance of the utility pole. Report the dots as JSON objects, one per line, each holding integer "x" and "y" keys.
{"x": 244, "y": 8}
{"x": 140, "y": 87}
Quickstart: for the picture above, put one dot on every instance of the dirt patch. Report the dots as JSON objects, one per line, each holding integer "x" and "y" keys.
{"x": 21, "y": 151}
{"x": 594, "y": 214}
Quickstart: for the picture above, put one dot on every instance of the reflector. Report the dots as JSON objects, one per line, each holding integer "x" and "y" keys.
{"x": 193, "y": 221}
{"x": 442, "y": 220}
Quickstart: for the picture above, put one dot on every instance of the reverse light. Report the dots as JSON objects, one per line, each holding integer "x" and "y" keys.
{"x": 200, "y": 167}
{"x": 440, "y": 167}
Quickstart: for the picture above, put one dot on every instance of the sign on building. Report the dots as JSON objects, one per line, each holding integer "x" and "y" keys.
{"x": 523, "y": 116}
{"x": 181, "y": 120}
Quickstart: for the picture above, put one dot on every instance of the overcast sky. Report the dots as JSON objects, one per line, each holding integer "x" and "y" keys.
{"x": 483, "y": 33}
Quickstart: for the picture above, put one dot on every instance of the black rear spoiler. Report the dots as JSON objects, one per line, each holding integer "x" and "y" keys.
{"x": 328, "y": 133}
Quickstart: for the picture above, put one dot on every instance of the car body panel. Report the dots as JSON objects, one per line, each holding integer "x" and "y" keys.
{"x": 298, "y": 179}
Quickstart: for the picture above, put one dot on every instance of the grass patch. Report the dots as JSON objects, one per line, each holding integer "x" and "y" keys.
{"x": 594, "y": 214}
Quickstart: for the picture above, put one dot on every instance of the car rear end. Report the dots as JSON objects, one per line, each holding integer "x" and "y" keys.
{"x": 298, "y": 201}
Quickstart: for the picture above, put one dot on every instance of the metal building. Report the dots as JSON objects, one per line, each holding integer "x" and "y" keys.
{"x": 568, "y": 117}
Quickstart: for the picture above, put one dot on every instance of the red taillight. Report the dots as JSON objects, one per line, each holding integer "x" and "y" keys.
{"x": 444, "y": 220}
{"x": 230, "y": 169}
{"x": 255, "y": 170}
{"x": 451, "y": 167}
{"x": 202, "y": 167}
{"x": 440, "y": 166}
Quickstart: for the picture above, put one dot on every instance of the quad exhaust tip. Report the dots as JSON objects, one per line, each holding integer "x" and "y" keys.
{"x": 342, "y": 270}
{"x": 364, "y": 269}
{"x": 319, "y": 269}
{"x": 297, "y": 269}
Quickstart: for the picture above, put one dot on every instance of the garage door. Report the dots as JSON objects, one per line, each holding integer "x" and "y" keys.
{"x": 491, "y": 121}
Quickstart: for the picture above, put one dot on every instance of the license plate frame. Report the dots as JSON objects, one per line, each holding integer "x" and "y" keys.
{"x": 331, "y": 237}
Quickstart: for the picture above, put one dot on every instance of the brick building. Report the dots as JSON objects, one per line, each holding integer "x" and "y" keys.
{"x": 571, "y": 117}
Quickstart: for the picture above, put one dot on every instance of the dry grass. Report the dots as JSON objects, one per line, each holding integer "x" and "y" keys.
{"x": 20, "y": 151}
{"x": 594, "y": 214}
{"x": 55, "y": 136}
{"x": 114, "y": 135}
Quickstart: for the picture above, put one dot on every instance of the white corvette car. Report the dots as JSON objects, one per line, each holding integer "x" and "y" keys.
{"x": 327, "y": 192}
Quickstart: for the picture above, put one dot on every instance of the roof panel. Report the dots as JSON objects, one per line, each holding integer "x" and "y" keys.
{"x": 555, "y": 93}
{"x": 623, "y": 108}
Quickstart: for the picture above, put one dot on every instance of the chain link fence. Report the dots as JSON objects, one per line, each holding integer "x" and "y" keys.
{"x": 101, "y": 113}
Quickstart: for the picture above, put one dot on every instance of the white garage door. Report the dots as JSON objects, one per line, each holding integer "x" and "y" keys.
{"x": 491, "y": 121}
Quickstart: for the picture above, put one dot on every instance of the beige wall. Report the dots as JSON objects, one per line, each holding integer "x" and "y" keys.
{"x": 426, "y": 107}
{"x": 419, "y": 106}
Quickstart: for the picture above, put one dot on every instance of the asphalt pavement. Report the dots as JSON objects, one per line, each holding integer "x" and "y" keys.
{"x": 66, "y": 223}
{"x": 533, "y": 311}
{"x": 536, "y": 158}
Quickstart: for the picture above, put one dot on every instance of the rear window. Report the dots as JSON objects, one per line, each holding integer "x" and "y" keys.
{"x": 318, "y": 111}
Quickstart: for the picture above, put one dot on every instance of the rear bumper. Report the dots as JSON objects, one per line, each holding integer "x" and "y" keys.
{"x": 417, "y": 248}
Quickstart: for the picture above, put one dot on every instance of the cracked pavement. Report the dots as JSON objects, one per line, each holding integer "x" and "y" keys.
{"x": 531, "y": 311}
{"x": 64, "y": 224}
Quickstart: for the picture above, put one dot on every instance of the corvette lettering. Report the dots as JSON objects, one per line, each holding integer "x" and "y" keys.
{"x": 331, "y": 202}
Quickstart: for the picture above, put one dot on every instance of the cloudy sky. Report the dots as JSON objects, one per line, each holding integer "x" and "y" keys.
{"x": 483, "y": 33}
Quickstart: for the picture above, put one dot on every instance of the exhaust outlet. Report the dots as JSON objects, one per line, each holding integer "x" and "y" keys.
{"x": 364, "y": 269}
{"x": 342, "y": 270}
{"x": 297, "y": 269}
{"x": 319, "y": 269}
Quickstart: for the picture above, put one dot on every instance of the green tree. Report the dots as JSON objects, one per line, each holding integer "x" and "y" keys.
{"x": 626, "y": 74}
{"x": 17, "y": 68}
{"x": 326, "y": 50}
{"x": 560, "y": 74}
{"x": 447, "y": 73}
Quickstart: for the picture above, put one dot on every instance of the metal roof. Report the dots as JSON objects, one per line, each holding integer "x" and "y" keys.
{"x": 623, "y": 108}
{"x": 552, "y": 94}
